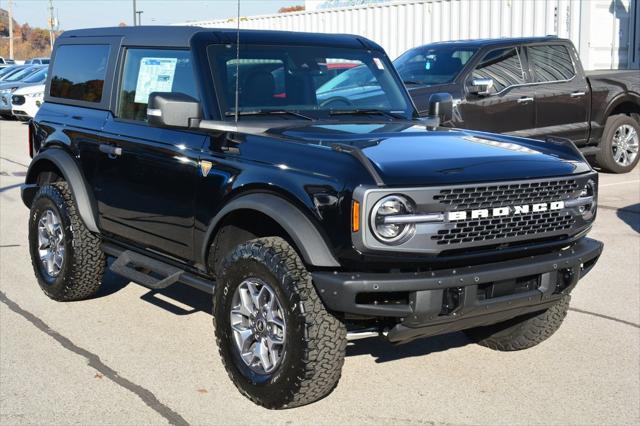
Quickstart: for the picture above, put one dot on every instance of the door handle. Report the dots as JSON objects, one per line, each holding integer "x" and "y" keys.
{"x": 111, "y": 150}
{"x": 577, "y": 94}
{"x": 525, "y": 100}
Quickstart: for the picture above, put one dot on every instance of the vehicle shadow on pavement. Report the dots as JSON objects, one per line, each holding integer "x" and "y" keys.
{"x": 631, "y": 216}
{"x": 420, "y": 347}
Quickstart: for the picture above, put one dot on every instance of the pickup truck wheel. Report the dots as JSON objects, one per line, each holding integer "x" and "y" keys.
{"x": 521, "y": 332}
{"x": 66, "y": 257}
{"x": 280, "y": 346}
{"x": 618, "y": 151}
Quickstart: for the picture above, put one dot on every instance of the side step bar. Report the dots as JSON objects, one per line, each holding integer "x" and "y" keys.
{"x": 152, "y": 273}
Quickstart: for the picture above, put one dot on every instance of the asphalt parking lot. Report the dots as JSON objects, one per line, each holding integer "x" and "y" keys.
{"x": 135, "y": 356}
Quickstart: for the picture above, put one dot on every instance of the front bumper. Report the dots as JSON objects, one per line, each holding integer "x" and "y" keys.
{"x": 430, "y": 303}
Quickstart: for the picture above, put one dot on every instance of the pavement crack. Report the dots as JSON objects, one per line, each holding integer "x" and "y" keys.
{"x": 94, "y": 362}
{"x": 618, "y": 209}
{"x": 9, "y": 245}
{"x": 595, "y": 314}
{"x": 14, "y": 162}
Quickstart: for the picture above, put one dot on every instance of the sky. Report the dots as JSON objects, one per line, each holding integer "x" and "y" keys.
{"x": 74, "y": 14}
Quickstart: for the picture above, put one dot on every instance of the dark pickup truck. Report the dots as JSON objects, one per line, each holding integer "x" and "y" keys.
{"x": 311, "y": 218}
{"x": 531, "y": 87}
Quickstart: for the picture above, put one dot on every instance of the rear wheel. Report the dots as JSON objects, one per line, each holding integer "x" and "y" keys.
{"x": 523, "y": 332}
{"x": 65, "y": 255}
{"x": 618, "y": 151}
{"x": 279, "y": 345}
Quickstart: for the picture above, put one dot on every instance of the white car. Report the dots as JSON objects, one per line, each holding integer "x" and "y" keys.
{"x": 26, "y": 101}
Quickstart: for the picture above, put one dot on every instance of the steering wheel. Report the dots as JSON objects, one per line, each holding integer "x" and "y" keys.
{"x": 336, "y": 101}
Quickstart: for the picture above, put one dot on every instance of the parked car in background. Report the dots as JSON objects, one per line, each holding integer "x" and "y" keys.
{"x": 37, "y": 61}
{"x": 29, "y": 76}
{"x": 6, "y": 62}
{"x": 532, "y": 87}
{"x": 26, "y": 101}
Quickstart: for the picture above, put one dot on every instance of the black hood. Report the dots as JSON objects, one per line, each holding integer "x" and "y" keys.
{"x": 408, "y": 154}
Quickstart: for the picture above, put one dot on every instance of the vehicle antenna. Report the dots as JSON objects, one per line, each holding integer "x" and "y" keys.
{"x": 237, "y": 62}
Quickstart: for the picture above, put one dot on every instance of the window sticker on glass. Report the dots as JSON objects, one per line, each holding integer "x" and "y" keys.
{"x": 378, "y": 63}
{"x": 156, "y": 75}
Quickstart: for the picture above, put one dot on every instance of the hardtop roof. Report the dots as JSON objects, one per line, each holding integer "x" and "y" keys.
{"x": 180, "y": 36}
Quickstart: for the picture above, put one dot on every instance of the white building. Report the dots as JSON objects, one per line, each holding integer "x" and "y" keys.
{"x": 605, "y": 32}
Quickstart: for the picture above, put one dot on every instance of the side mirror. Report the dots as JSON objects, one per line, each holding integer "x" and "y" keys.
{"x": 173, "y": 110}
{"x": 481, "y": 86}
{"x": 440, "y": 109}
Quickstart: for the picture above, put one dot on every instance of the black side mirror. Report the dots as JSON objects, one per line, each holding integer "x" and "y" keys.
{"x": 440, "y": 108}
{"x": 173, "y": 110}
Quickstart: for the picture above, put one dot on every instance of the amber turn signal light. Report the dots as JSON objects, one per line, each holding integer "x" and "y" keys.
{"x": 355, "y": 216}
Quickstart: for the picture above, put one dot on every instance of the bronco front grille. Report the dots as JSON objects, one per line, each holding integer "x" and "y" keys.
{"x": 487, "y": 196}
{"x": 500, "y": 228}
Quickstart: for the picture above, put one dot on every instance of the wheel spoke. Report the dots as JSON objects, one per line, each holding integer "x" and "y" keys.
{"x": 618, "y": 155}
{"x": 263, "y": 353}
{"x": 246, "y": 301}
{"x": 243, "y": 337}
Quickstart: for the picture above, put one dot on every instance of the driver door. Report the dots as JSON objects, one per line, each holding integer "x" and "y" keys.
{"x": 508, "y": 106}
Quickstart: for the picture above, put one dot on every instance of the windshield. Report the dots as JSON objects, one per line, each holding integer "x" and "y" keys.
{"x": 432, "y": 65}
{"x": 38, "y": 77}
{"x": 22, "y": 74}
{"x": 313, "y": 80}
{"x": 5, "y": 71}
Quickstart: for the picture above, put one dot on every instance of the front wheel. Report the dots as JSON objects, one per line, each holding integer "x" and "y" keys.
{"x": 618, "y": 151}
{"x": 279, "y": 345}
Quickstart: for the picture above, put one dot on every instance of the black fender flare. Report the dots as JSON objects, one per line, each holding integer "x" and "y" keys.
{"x": 72, "y": 175}
{"x": 298, "y": 226}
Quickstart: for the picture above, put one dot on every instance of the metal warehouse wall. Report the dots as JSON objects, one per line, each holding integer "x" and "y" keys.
{"x": 606, "y": 32}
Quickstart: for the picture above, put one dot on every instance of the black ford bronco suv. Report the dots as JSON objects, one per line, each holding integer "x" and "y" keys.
{"x": 310, "y": 209}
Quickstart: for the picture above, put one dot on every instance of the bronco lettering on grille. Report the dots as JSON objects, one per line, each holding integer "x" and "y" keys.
{"x": 506, "y": 211}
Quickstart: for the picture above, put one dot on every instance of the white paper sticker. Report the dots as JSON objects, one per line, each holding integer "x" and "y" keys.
{"x": 378, "y": 63}
{"x": 155, "y": 75}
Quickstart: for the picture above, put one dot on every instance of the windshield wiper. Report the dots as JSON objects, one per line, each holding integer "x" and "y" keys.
{"x": 413, "y": 82}
{"x": 268, "y": 112}
{"x": 366, "y": 112}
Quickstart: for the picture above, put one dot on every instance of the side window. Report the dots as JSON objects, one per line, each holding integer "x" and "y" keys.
{"x": 503, "y": 66}
{"x": 153, "y": 70}
{"x": 79, "y": 71}
{"x": 551, "y": 63}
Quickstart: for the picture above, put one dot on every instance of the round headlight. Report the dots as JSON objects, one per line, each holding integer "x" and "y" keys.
{"x": 589, "y": 190}
{"x": 382, "y": 224}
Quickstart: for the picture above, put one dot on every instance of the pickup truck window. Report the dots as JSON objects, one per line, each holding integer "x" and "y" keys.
{"x": 153, "y": 70}
{"x": 550, "y": 63}
{"x": 79, "y": 71}
{"x": 432, "y": 65}
{"x": 304, "y": 79}
{"x": 503, "y": 66}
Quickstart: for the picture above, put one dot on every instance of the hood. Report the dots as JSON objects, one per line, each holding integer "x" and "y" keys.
{"x": 408, "y": 154}
{"x": 28, "y": 89}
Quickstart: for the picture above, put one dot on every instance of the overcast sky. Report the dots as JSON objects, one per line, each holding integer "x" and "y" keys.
{"x": 103, "y": 13}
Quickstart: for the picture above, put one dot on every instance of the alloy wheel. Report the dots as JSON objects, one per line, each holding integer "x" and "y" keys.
{"x": 258, "y": 325}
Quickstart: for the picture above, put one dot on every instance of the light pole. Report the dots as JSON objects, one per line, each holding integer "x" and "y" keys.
{"x": 134, "y": 13}
{"x": 139, "y": 12}
{"x": 11, "y": 29}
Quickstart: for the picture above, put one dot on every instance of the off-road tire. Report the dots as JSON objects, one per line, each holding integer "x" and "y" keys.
{"x": 604, "y": 156}
{"x": 84, "y": 262}
{"x": 315, "y": 340}
{"x": 521, "y": 332}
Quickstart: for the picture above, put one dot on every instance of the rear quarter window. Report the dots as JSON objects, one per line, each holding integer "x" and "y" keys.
{"x": 79, "y": 71}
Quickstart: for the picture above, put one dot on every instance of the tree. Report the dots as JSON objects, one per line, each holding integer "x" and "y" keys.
{"x": 298, "y": 8}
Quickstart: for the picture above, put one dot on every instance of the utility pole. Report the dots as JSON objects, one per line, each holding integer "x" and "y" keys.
{"x": 139, "y": 12}
{"x": 51, "y": 24}
{"x": 135, "y": 11}
{"x": 11, "y": 29}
